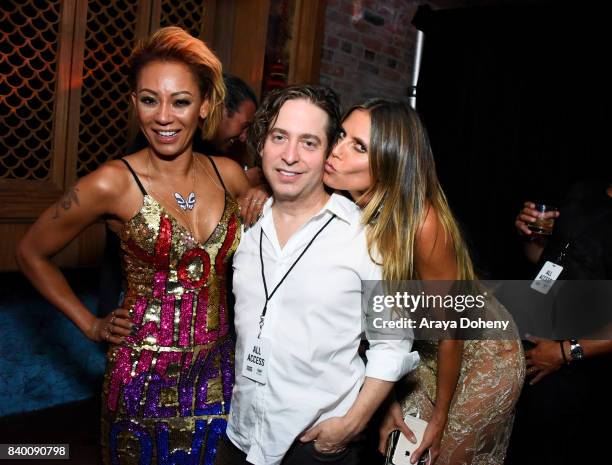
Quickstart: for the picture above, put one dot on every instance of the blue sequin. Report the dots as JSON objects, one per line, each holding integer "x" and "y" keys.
{"x": 216, "y": 430}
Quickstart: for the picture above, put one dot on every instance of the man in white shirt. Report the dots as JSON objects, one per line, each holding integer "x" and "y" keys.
{"x": 302, "y": 393}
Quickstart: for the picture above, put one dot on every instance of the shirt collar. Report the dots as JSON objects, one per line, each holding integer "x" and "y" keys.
{"x": 337, "y": 205}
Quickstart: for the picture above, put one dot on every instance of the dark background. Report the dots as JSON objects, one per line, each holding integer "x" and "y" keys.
{"x": 517, "y": 103}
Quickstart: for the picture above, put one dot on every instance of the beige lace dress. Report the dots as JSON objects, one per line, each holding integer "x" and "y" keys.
{"x": 482, "y": 410}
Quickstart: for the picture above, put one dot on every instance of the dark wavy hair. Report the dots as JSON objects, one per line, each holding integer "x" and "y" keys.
{"x": 265, "y": 117}
{"x": 236, "y": 92}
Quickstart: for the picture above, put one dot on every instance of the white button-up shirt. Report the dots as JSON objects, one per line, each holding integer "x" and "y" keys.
{"x": 313, "y": 323}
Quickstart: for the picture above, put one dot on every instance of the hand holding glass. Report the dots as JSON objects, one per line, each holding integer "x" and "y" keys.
{"x": 545, "y": 220}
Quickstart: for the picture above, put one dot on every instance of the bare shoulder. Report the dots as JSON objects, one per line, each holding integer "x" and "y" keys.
{"x": 226, "y": 165}
{"x": 431, "y": 228}
{"x": 434, "y": 248}
{"x": 110, "y": 190}
{"x": 109, "y": 180}
{"x": 232, "y": 174}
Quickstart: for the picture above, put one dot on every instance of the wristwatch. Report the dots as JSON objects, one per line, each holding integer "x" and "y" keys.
{"x": 576, "y": 350}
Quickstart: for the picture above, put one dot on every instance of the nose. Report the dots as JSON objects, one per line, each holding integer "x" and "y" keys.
{"x": 291, "y": 154}
{"x": 337, "y": 149}
{"x": 164, "y": 113}
{"x": 243, "y": 136}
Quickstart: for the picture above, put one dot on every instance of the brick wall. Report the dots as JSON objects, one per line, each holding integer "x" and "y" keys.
{"x": 368, "y": 48}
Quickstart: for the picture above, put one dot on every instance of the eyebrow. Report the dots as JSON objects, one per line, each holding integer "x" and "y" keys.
{"x": 172, "y": 94}
{"x": 301, "y": 136}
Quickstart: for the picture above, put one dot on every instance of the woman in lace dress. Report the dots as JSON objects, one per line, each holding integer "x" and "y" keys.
{"x": 466, "y": 390}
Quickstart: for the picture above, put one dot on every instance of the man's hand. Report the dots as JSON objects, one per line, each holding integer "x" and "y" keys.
{"x": 543, "y": 359}
{"x": 392, "y": 421}
{"x": 332, "y": 435}
{"x": 529, "y": 215}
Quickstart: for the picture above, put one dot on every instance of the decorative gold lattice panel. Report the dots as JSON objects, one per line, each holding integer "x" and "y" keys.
{"x": 103, "y": 128}
{"x": 29, "y": 36}
{"x": 186, "y": 14}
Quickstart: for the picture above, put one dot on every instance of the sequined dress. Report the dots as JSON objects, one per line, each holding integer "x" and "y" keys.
{"x": 482, "y": 410}
{"x": 167, "y": 390}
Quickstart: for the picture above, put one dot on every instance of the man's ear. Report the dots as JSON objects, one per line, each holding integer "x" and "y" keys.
{"x": 204, "y": 109}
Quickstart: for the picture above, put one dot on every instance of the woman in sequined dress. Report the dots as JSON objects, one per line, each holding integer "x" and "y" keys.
{"x": 466, "y": 390}
{"x": 169, "y": 375}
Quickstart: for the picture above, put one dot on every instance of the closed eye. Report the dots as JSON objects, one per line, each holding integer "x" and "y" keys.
{"x": 360, "y": 148}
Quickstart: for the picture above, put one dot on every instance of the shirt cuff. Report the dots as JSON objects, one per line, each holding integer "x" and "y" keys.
{"x": 390, "y": 366}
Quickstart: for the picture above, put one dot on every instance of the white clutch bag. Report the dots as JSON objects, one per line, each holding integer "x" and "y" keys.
{"x": 400, "y": 449}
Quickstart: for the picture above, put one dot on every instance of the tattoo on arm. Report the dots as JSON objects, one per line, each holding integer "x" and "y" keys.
{"x": 65, "y": 203}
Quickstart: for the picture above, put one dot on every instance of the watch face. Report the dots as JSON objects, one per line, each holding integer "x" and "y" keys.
{"x": 576, "y": 351}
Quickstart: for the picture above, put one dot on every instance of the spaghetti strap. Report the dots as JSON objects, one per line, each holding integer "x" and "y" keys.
{"x": 217, "y": 171}
{"x": 142, "y": 189}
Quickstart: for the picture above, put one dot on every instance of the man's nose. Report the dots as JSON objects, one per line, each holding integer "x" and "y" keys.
{"x": 291, "y": 154}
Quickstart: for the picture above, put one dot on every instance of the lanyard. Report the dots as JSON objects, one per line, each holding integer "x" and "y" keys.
{"x": 580, "y": 232}
{"x": 263, "y": 275}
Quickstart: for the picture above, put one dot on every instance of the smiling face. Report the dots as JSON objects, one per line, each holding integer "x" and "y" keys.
{"x": 294, "y": 151}
{"x": 348, "y": 167}
{"x": 169, "y": 106}
{"x": 233, "y": 129}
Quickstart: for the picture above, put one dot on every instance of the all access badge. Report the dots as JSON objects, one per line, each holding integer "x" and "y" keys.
{"x": 546, "y": 277}
{"x": 256, "y": 357}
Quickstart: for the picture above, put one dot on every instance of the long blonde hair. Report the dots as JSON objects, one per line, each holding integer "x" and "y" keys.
{"x": 404, "y": 187}
{"x": 175, "y": 44}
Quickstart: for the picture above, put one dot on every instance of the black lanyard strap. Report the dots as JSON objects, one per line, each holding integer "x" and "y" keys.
{"x": 589, "y": 225}
{"x": 263, "y": 275}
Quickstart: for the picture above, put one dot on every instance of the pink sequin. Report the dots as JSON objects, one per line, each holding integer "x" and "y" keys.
{"x": 119, "y": 376}
{"x": 139, "y": 309}
{"x": 122, "y": 372}
{"x": 148, "y": 329}
{"x": 165, "y": 359}
{"x": 167, "y": 322}
{"x": 185, "y": 319}
{"x": 201, "y": 335}
{"x": 159, "y": 286}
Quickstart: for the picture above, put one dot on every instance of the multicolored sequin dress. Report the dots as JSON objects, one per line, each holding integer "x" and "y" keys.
{"x": 167, "y": 390}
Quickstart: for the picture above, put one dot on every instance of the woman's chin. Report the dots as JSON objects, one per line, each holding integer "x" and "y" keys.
{"x": 332, "y": 183}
